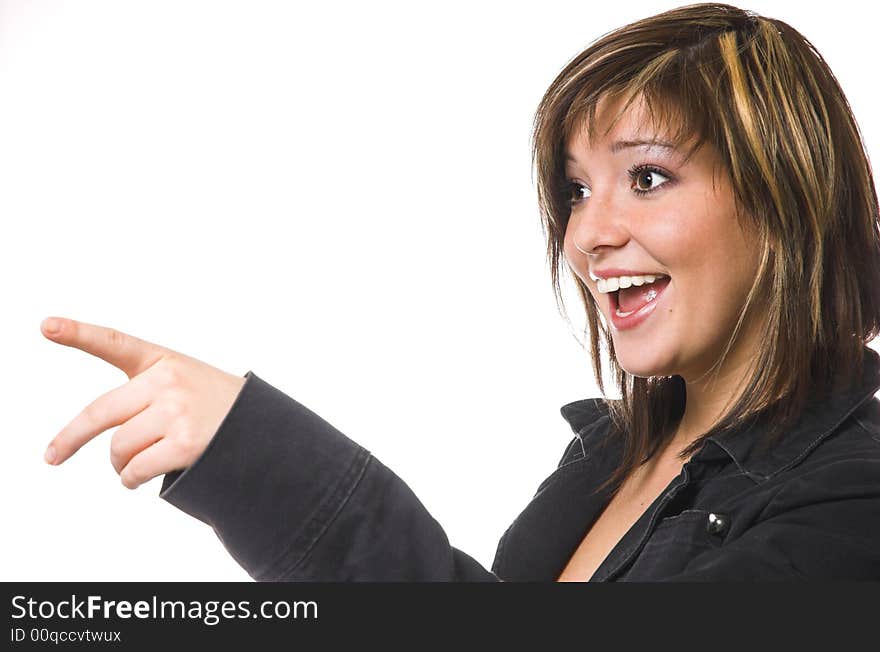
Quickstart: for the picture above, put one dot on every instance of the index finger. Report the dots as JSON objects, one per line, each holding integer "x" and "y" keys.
{"x": 127, "y": 352}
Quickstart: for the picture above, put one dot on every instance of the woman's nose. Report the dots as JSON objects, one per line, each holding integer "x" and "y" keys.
{"x": 597, "y": 225}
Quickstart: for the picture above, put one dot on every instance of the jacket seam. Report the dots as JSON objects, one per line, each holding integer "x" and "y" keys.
{"x": 573, "y": 460}
{"x": 823, "y": 436}
{"x": 871, "y": 433}
{"x": 556, "y": 475}
{"x": 581, "y": 440}
{"x": 570, "y": 458}
{"x": 796, "y": 570}
{"x": 863, "y": 426}
{"x": 565, "y": 453}
{"x": 321, "y": 521}
{"x": 757, "y": 478}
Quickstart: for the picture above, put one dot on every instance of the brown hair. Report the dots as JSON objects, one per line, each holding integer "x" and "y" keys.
{"x": 759, "y": 92}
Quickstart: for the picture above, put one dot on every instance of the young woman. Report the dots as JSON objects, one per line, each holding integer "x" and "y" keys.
{"x": 702, "y": 176}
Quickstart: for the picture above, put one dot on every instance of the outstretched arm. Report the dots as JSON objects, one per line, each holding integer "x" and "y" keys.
{"x": 292, "y": 498}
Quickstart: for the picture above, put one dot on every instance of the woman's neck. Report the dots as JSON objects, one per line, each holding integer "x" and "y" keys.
{"x": 709, "y": 397}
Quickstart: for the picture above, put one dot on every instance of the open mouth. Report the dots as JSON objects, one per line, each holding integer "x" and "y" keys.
{"x": 624, "y": 302}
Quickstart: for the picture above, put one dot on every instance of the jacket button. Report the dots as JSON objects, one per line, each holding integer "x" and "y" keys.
{"x": 717, "y": 523}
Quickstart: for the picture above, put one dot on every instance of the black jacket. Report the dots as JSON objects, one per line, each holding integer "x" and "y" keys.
{"x": 292, "y": 498}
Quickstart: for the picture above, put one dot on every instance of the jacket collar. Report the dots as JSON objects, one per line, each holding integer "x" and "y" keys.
{"x": 822, "y": 417}
{"x": 819, "y": 420}
{"x": 583, "y": 413}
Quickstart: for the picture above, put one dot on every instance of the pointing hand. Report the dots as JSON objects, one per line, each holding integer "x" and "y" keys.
{"x": 169, "y": 410}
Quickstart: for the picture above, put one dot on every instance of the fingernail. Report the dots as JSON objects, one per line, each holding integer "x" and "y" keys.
{"x": 50, "y": 455}
{"x": 53, "y": 326}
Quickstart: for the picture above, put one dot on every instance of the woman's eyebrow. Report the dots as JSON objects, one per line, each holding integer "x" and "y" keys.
{"x": 624, "y": 144}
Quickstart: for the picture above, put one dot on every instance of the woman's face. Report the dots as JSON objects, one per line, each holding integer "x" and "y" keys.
{"x": 684, "y": 226}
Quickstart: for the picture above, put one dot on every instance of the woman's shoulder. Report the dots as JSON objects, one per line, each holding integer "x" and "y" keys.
{"x": 843, "y": 462}
{"x": 865, "y": 420}
{"x": 857, "y": 438}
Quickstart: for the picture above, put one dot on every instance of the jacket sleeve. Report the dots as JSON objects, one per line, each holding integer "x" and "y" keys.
{"x": 822, "y": 525}
{"x": 291, "y": 498}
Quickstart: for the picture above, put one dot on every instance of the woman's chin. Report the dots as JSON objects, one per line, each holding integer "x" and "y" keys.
{"x": 642, "y": 364}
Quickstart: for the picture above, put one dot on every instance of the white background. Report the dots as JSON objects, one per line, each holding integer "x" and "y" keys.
{"x": 337, "y": 196}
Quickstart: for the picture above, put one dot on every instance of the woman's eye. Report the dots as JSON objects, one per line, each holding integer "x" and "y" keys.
{"x": 645, "y": 179}
{"x": 577, "y": 192}
{"x": 651, "y": 177}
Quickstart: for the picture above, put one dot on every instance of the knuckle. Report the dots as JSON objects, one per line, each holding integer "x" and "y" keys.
{"x": 117, "y": 451}
{"x": 174, "y": 407}
{"x": 187, "y": 443}
{"x": 169, "y": 373}
{"x": 129, "y": 477}
{"x": 95, "y": 413}
{"x": 116, "y": 338}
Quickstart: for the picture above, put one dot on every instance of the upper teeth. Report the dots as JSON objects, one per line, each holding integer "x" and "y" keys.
{"x": 615, "y": 283}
